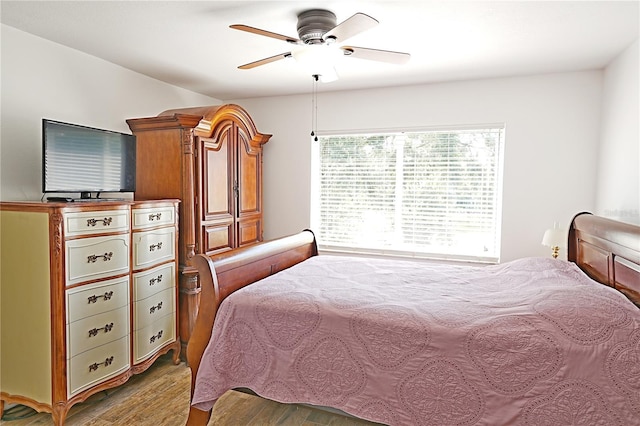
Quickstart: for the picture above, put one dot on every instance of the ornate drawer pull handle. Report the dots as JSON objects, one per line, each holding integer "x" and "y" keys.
{"x": 106, "y": 257}
{"x": 154, "y": 308}
{"x": 94, "y": 331}
{"x": 153, "y": 247}
{"x": 105, "y": 222}
{"x": 107, "y": 362}
{"x": 106, "y": 296}
{"x": 155, "y": 280}
{"x": 157, "y": 336}
{"x": 156, "y": 216}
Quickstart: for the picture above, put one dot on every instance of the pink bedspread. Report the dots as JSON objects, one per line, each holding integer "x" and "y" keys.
{"x": 532, "y": 342}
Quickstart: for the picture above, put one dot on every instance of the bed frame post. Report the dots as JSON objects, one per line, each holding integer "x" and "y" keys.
{"x": 201, "y": 333}
{"x": 572, "y": 243}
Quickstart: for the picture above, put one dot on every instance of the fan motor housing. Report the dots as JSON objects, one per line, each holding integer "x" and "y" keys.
{"x": 313, "y": 24}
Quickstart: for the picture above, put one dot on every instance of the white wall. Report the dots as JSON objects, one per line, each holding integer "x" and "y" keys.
{"x": 618, "y": 190}
{"x": 552, "y": 131}
{"x": 41, "y": 79}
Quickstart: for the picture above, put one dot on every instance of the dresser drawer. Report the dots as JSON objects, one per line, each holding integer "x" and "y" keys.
{"x": 97, "y": 330}
{"x": 152, "y": 247}
{"x": 150, "y": 338}
{"x": 151, "y": 217}
{"x": 97, "y": 298}
{"x": 96, "y": 257}
{"x": 96, "y": 222}
{"x": 148, "y": 310}
{"x": 97, "y": 365}
{"x": 153, "y": 281}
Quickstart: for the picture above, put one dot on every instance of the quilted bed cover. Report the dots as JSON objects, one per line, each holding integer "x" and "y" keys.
{"x": 533, "y": 342}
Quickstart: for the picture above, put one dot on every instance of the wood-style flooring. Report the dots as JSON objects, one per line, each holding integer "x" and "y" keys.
{"x": 160, "y": 396}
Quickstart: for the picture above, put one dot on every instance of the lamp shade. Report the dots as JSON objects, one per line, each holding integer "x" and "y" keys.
{"x": 553, "y": 237}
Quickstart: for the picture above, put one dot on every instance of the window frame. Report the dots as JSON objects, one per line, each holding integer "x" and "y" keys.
{"x": 401, "y": 253}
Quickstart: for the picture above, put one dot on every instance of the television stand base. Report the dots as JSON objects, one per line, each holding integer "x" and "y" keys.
{"x": 60, "y": 199}
{"x": 80, "y": 200}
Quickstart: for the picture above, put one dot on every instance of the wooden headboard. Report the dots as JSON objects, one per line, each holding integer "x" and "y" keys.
{"x": 608, "y": 251}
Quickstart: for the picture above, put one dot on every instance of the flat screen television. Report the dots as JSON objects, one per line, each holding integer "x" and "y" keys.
{"x": 87, "y": 160}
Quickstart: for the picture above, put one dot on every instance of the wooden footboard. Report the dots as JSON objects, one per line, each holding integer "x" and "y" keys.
{"x": 223, "y": 274}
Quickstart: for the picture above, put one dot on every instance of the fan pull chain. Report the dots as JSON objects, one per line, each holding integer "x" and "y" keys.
{"x": 314, "y": 108}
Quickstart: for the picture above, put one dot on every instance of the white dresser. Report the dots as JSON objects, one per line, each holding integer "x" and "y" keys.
{"x": 153, "y": 280}
{"x": 88, "y": 298}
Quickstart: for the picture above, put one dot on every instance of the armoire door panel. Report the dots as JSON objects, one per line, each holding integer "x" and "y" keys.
{"x": 217, "y": 178}
{"x": 249, "y": 180}
{"x": 218, "y": 238}
{"x": 249, "y": 231}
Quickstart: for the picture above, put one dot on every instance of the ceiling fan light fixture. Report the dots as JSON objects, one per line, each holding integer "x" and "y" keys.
{"x": 318, "y": 59}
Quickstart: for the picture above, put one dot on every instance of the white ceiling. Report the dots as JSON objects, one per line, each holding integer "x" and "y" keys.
{"x": 189, "y": 43}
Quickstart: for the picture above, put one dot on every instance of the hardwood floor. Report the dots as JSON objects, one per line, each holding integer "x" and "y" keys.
{"x": 160, "y": 397}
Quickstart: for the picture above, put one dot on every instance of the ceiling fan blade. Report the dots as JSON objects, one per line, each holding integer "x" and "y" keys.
{"x": 376, "y": 54}
{"x": 265, "y": 61}
{"x": 352, "y": 26}
{"x": 265, "y": 33}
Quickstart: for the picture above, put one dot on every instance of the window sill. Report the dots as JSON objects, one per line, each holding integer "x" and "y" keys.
{"x": 421, "y": 257}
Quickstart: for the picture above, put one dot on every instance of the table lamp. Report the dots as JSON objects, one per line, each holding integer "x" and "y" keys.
{"x": 554, "y": 238}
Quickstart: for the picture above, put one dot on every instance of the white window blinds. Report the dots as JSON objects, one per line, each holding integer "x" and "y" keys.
{"x": 424, "y": 194}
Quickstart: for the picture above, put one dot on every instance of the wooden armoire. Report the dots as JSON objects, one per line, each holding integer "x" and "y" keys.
{"x": 211, "y": 159}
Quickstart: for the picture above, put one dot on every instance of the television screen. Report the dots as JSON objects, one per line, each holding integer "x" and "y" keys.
{"x": 83, "y": 159}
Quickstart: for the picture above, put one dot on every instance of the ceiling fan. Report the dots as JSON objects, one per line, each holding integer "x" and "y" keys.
{"x": 320, "y": 42}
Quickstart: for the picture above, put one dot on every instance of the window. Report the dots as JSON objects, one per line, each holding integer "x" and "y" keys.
{"x": 421, "y": 194}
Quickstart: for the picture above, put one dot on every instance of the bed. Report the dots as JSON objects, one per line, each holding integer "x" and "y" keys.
{"x": 533, "y": 341}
